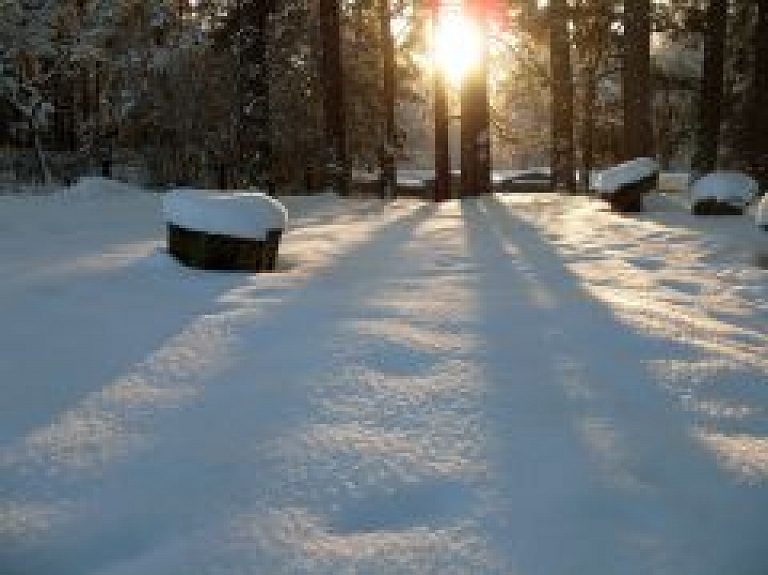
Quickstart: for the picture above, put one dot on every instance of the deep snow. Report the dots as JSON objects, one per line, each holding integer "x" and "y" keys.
{"x": 510, "y": 385}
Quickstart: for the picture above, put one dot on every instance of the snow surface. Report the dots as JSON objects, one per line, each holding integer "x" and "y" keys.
{"x": 610, "y": 180}
{"x": 236, "y": 214}
{"x": 90, "y": 186}
{"x": 734, "y": 188}
{"x": 525, "y": 385}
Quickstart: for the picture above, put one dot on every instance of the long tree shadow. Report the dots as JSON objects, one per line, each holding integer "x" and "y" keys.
{"x": 245, "y": 366}
{"x": 591, "y": 458}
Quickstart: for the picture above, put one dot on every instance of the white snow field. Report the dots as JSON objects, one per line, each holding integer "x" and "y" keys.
{"x": 522, "y": 385}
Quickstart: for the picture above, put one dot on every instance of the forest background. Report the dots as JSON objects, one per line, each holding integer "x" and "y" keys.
{"x": 230, "y": 93}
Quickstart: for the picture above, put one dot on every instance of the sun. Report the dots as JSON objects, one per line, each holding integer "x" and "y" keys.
{"x": 458, "y": 45}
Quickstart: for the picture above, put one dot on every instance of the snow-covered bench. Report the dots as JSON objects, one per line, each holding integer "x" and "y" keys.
{"x": 413, "y": 187}
{"x": 224, "y": 230}
{"x": 625, "y": 185}
{"x": 722, "y": 193}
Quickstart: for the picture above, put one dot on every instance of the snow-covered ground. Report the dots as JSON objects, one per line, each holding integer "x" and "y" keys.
{"x": 522, "y": 385}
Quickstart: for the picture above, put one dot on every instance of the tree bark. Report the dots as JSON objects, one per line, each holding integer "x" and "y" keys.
{"x": 711, "y": 88}
{"x": 758, "y": 108}
{"x": 442, "y": 189}
{"x": 475, "y": 116}
{"x": 588, "y": 143}
{"x": 253, "y": 148}
{"x": 636, "y": 80}
{"x": 562, "y": 97}
{"x": 334, "y": 101}
{"x": 388, "y": 164}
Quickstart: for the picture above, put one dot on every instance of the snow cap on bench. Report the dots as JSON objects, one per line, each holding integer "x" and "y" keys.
{"x": 238, "y": 214}
{"x": 728, "y": 187}
{"x": 611, "y": 180}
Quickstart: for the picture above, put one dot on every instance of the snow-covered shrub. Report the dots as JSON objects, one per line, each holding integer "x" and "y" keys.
{"x": 722, "y": 192}
{"x": 224, "y": 230}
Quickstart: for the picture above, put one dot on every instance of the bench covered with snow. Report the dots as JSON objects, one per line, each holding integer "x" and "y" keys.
{"x": 722, "y": 192}
{"x": 218, "y": 230}
{"x": 625, "y": 185}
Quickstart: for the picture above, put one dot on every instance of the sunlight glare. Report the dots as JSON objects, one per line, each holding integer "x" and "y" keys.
{"x": 458, "y": 46}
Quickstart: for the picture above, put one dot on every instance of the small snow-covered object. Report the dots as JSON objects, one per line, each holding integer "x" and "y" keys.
{"x": 224, "y": 230}
{"x": 761, "y": 217}
{"x": 611, "y": 180}
{"x": 722, "y": 192}
{"x": 236, "y": 214}
{"x": 624, "y": 185}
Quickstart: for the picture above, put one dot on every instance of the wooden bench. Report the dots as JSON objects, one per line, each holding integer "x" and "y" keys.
{"x": 630, "y": 197}
{"x": 223, "y": 253}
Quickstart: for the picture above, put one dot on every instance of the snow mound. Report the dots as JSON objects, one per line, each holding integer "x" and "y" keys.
{"x": 761, "y": 217}
{"x": 733, "y": 188}
{"x": 248, "y": 215}
{"x": 611, "y": 180}
{"x": 91, "y": 186}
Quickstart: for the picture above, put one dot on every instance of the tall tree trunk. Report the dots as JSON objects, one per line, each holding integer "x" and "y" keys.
{"x": 711, "y": 88}
{"x": 588, "y": 141}
{"x": 334, "y": 101}
{"x": 758, "y": 108}
{"x": 636, "y": 80}
{"x": 562, "y": 96}
{"x": 388, "y": 153}
{"x": 42, "y": 161}
{"x": 253, "y": 154}
{"x": 475, "y": 115}
{"x": 442, "y": 189}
